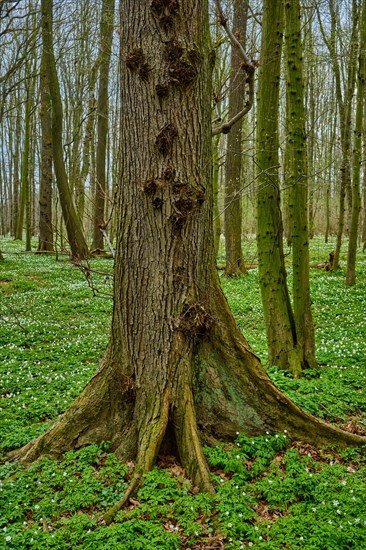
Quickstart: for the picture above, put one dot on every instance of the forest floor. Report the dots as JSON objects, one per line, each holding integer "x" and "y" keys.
{"x": 270, "y": 493}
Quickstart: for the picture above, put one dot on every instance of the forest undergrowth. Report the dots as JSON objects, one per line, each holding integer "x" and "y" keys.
{"x": 270, "y": 493}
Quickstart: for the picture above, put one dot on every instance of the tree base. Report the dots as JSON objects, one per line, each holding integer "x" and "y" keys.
{"x": 216, "y": 389}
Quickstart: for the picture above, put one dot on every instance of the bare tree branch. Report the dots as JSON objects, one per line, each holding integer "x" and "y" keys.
{"x": 249, "y": 68}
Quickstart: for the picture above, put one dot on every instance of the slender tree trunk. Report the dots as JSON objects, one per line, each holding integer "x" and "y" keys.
{"x": 29, "y": 148}
{"x": 364, "y": 184}
{"x": 216, "y": 179}
{"x": 116, "y": 157}
{"x": 72, "y": 221}
{"x": 106, "y": 36}
{"x": 3, "y": 202}
{"x": 280, "y": 325}
{"x": 15, "y": 176}
{"x": 344, "y": 100}
{"x": 298, "y": 181}
{"x": 88, "y": 138}
{"x": 285, "y": 197}
{"x": 25, "y": 186}
{"x": 233, "y": 207}
{"x": 357, "y": 154}
{"x": 26, "y": 180}
{"x": 177, "y": 369}
{"x": 331, "y": 139}
{"x": 311, "y": 133}
{"x": 327, "y": 213}
{"x": 45, "y": 243}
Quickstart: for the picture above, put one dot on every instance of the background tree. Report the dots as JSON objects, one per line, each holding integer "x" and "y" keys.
{"x": 344, "y": 95}
{"x": 357, "y": 153}
{"x": 27, "y": 86}
{"x": 233, "y": 163}
{"x": 45, "y": 243}
{"x": 297, "y": 181}
{"x": 280, "y": 323}
{"x": 79, "y": 248}
{"x": 364, "y": 185}
{"x": 106, "y": 37}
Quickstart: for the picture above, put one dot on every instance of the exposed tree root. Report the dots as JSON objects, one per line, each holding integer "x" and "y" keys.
{"x": 107, "y": 401}
{"x": 234, "y": 393}
{"x": 133, "y": 487}
{"x": 149, "y": 446}
{"x": 189, "y": 443}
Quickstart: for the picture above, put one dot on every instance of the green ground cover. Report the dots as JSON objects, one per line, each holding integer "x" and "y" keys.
{"x": 270, "y": 493}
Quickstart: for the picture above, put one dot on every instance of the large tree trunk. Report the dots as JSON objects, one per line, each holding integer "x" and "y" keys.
{"x": 177, "y": 367}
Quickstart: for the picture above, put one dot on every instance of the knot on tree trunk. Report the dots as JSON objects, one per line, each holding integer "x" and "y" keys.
{"x": 173, "y": 50}
{"x": 186, "y": 201}
{"x": 195, "y": 320}
{"x": 154, "y": 186}
{"x": 165, "y": 137}
{"x": 162, "y": 90}
{"x": 165, "y": 11}
{"x": 182, "y": 72}
{"x": 182, "y": 65}
{"x": 135, "y": 61}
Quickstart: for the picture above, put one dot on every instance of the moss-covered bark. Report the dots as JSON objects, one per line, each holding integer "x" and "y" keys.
{"x": 364, "y": 186}
{"x": 280, "y": 326}
{"x": 177, "y": 368}
{"x": 297, "y": 180}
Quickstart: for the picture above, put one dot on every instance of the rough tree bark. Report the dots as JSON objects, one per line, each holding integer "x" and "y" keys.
{"x": 177, "y": 367}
